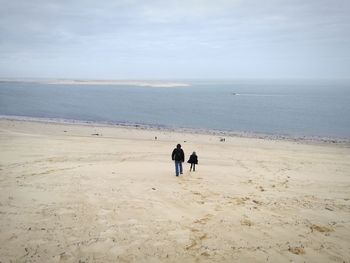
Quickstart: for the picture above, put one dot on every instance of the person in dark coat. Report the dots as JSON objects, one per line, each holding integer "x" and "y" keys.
{"x": 178, "y": 156}
{"x": 193, "y": 161}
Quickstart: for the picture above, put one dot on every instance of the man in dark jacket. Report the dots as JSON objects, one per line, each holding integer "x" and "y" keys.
{"x": 178, "y": 156}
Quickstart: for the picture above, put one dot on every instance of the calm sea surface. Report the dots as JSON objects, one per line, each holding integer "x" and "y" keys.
{"x": 295, "y": 108}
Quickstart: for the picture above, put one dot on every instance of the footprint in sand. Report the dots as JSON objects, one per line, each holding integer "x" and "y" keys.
{"x": 322, "y": 229}
{"x": 237, "y": 200}
{"x": 297, "y": 250}
{"x": 197, "y": 240}
{"x": 198, "y": 235}
{"x": 192, "y": 245}
{"x": 261, "y": 189}
{"x": 246, "y": 222}
{"x": 257, "y": 202}
{"x": 203, "y": 220}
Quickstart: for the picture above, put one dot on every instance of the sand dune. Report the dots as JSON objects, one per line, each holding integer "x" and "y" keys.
{"x": 70, "y": 196}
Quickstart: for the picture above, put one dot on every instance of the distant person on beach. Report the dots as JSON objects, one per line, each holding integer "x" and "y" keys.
{"x": 193, "y": 161}
{"x": 178, "y": 156}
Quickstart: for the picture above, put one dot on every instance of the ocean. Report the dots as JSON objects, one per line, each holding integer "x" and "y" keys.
{"x": 296, "y": 108}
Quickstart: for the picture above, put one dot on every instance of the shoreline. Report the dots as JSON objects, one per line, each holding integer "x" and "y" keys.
{"x": 200, "y": 131}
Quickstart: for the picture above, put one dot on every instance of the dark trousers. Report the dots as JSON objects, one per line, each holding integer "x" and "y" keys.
{"x": 194, "y": 167}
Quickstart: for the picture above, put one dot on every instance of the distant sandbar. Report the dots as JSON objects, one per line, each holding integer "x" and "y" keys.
{"x": 139, "y": 83}
{"x": 155, "y": 84}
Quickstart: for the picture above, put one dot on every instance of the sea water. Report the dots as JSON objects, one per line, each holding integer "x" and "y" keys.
{"x": 276, "y": 107}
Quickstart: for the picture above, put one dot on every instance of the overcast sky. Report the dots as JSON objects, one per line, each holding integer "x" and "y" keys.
{"x": 137, "y": 39}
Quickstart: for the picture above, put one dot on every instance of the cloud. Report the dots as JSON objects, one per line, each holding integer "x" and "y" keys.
{"x": 133, "y": 37}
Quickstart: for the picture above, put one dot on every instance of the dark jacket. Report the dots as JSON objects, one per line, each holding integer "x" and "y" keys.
{"x": 178, "y": 155}
{"x": 193, "y": 159}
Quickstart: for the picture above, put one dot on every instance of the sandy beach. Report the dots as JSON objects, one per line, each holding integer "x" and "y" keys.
{"x": 84, "y": 193}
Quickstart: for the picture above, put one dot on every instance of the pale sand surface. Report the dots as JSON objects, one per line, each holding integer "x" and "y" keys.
{"x": 76, "y": 197}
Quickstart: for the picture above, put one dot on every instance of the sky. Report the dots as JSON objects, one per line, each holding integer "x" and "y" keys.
{"x": 182, "y": 39}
